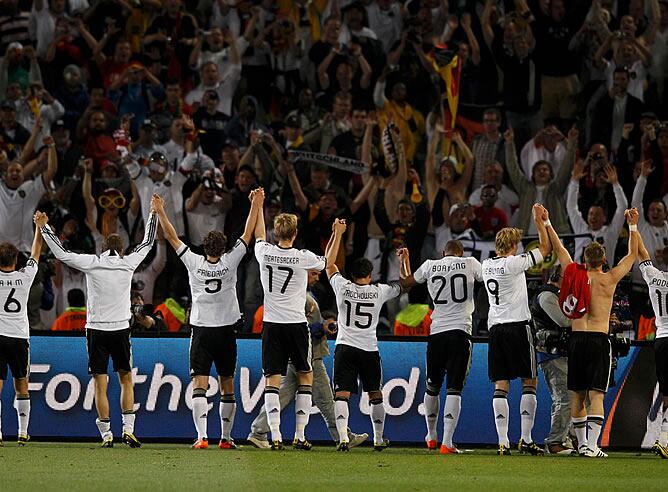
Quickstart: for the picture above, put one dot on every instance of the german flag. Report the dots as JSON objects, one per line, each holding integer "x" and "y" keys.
{"x": 448, "y": 66}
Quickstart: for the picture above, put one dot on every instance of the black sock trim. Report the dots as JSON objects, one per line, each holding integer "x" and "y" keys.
{"x": 528, "y": 390}
{"x": 105, "y": 420}
{"x": 228, "y": 398}
{"x": 23, "y": 397}
{"x": 271, "y": 389}
{"x": 199, "y": 393}
{"x": 433, "y": 391}
{"x": 304, "y": 389}
{"x": 454, "y": 392}
{"x": 598, "y": 420}
{"x": 376, "y": 401}
{"x": 498, "y": 393}
{"x": 127, "y": 412}
{"x": 341, "y": 398}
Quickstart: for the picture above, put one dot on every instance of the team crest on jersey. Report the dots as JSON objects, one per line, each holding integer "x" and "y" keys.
{"x": 22, "y": 193}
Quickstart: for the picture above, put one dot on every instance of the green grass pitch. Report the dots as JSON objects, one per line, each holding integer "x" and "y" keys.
{"x": 160, "y": 467}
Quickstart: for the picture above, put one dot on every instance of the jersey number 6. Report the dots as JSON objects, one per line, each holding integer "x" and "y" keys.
{"x": 12, "y": 305}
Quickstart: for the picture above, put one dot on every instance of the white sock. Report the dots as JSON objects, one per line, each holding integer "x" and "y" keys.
{"x": 663, "y": 437}
{"x": 527, "y": 412}
{"x": 104, "y": 426}
{"x": 302, "y": 411}
{"x": 342, "y": 413}
{"x": 272, "y": 406}
{"x": 501, "y": 411}
{"x": 227, "y": 410}
{"x": 453, "y": 405}
{"x": 594, "y": 426}
{"x": 200, "y": 412}
{"x": 431, "y": 409}
{"x": 128, "y": 419}
{"x": 378, "y": 420}
{"x": 580, "y": 428}
{"x": 22, "y": 405}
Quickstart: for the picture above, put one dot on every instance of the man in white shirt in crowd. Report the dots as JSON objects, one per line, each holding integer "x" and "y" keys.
{"x": 507, "y": 199}
{"x": 548, "y": 145}
{"x": 206, "y": 207}
{"x": 108, "y": 312}
{"x": 511, "y": 348}
{"x": 595, "y": 228}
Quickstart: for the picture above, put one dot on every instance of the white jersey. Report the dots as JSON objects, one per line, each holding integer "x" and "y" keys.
{"x": 450, "y": 282}
{"x": 284, "y": 276}
{"x": 507, "y": 288}
{"x": 108, "y": 278}
{"x": 16, "y": 212}
{"x": 657, "y": 281}
{"x": 359, "y": 310}
{"x": 214, "y": 286}
{"x": 14, "y": 292}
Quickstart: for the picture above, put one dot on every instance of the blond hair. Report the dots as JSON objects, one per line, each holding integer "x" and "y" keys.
{"x": 285, "y": 226}
{"x": 594, "y": 255}
{"x": 506, "y": 239}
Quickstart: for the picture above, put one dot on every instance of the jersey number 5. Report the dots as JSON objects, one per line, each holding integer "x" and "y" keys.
{"x": 12, "y": 305}
{"x": 287, "y": 278}
{"x": 359, "y": 313}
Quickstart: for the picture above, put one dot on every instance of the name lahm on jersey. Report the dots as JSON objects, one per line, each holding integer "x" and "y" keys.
{"x": 11, "y": 283}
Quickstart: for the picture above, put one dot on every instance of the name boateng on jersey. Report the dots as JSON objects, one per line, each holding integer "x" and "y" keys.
{"x": 450, "y": 282}
{"x": 359, "y": 310}
{"x": 213, "y": 286}
{"x": 284, "y": 276}
{"x": 506, "y": 286}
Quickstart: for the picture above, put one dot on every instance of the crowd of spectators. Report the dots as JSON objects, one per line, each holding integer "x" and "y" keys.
{"x": 560, "y": 102}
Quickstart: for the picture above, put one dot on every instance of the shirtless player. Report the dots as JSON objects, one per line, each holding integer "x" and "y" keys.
{"x": 589, "y": 352}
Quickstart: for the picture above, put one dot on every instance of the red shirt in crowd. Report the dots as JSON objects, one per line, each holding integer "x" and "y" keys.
{"x": 490, "y": 219}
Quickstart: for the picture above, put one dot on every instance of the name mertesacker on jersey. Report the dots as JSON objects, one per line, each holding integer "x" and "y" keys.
{"x": 447, "y": 268}
{"x": 11, "y": 283}
{"x": 360, "y": 295}
{"x": 658, "y": 282}
{"x": 212, "y": 273}
{"x": 293, "y": 260}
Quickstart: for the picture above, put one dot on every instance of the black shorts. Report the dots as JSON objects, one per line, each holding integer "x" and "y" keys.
{"x": 661, "y": 356}
{"x": 351, "y": 363}
{"x": 448, "y": 352}
{"x": 283, "y": 342}
{"x": 217, "y": 345}
{"x": 104, "y": 344}
{"x": 15, "y": 353}
{"x": 511, "y": 353}
{"x": 589, "y": 361}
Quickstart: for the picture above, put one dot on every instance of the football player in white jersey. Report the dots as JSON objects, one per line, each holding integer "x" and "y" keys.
{"x": 657, "y": 281}
{"x": 285, "y": 334}
{"x": 511, "y": 352}
{"x": 589, "y": 350}
{"x": 108, "y": 312}
{"x": 450, "y": 281}
{"x": 214, "y": 317}
{"x": 14, "y": 328}
{"x": 356, "y": 354}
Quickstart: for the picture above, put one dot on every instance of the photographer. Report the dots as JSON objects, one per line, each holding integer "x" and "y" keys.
{"x": 143, "y": 318}
{"x": 552, "y": 329}
{"x": 206, "y": 207}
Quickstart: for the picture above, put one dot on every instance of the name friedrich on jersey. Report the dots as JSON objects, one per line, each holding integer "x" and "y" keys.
{"x": 292, "y": 260}
{"x": 212, "y": 273}
{"x": 360, "y": 295}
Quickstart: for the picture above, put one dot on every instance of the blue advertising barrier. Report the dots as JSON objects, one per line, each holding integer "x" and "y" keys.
{"x": 62, "y": 394}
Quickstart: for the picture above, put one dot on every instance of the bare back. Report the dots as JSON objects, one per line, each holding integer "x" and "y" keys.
{"x": 602, "y": 289}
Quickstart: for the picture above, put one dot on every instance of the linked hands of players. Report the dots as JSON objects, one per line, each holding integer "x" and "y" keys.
{"x": 339, "y": 226}
{"x": 540, "y": 213}
{"x": 256, "y": 197}
{"x": 157, "y": 204}
{"x": 632, "y": 216}
{"x": 40, "y": 219}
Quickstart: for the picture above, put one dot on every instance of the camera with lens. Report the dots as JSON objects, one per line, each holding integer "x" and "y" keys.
{"x": 142, "y": 309}
{"x": 553, "y": 341}
{"x": 597, "y": 156}
{"x": 211, "y": 184}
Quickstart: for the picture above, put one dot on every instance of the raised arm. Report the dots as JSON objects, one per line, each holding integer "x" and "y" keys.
{"x": 300, "y": 198}
{"x": 74, "y": 260}
{"x": 260, "y": 228}
{"x": 363, "y": 194}
{"x": 470, "y": 36}
{"x": 36, "y": 249}
{"x": 639, "y": 191}
{"x": 575, "y": 216}
{"x": 625, "y": 264}
{"x": 334, "y": 245}
{"x": 545, "y": 246}
{"x": 517, "y": 177}
{"x": 562, "y": 253}
{"x": 432, "y": 179}
{"x": 406, "y": 280}
{"x": 87, "y": 194}
{"x": 562, "y": 177}
{"x": 643, "y": 254}
{"x": 464, "y": 180}
{"x": 167, "y": 227}
{"x": 396, "y": 185}
{"x": 617, "y": 221}
{"x": 51, "y": 161}
{"x": 257, "y": 200}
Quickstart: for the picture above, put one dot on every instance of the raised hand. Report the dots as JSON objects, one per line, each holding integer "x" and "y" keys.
{"x": 339, "y": 226}
{"x": 626, "y": 130}
{"x": 579, "y": 171}
{"x": 573, "y": 134}
{"x": 157, "y": 204}
{"x": 40, "y": 219}
{"x": 646, "y": 167}
{"x": 610, "y": 174}
{"x": 509, "y": 135}
{"x": 631, "y": 215}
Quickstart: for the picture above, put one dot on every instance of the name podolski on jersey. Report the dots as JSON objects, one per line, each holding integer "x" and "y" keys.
{"x": 213, "y": 273}
{"x": 360, "y": 295}
{"x": 292, "y": 260}
{"x": 11, "y": 283}
{"x": 658, "y": 282}
{"x": 448, "y": 268}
